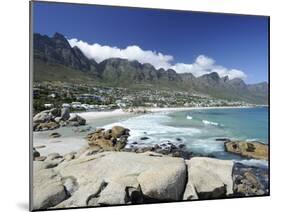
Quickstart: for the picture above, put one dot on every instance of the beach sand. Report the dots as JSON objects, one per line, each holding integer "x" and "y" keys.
{"x": 94, "y": 115}
{"x": 70, "y": 139}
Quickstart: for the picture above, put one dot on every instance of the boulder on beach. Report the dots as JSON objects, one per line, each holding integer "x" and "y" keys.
{"x": 210, "y": 178}
{"x": 43, "y": 116}
{"x": 249, "y": 180}
{"x": 40, "y": 158}
{"x": 46, "y": 116}
{"x": 35, "y": 154}
{"x": 55, "y": 112}
{"x": 48, "y": 189}
{"x": 54, "y": 118}
{"x": 113, "y": 139}
{"x": 78, "y": 119}
{"x": 69, "y": 156}
{"x": 46, "y": 126}
{"x": 256, "y": 150}
{"x": 118, "y": 131}
{"x": 165, "y": 148}
{"x": 65, "y": 115}
{"x": 54, "y": 135}
{"x": 223, "y": 139}
{"x": 53, "y": 194}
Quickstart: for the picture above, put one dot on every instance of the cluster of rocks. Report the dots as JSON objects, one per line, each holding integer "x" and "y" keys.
{"x": 256, "y": 150}
{"x": 113, "y": 139}
{"x": 109, "y": 171}
{"x": 85, "y": 178}
{"x": 165, "y": 148}
{"x": 250, "y": 180}
{"x": 137, "y": 110}
{"x": 54, "y": 118}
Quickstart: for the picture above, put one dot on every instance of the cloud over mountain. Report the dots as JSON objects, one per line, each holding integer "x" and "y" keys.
{"x": 202, "y": 64}
{"x": 205, "y": 65}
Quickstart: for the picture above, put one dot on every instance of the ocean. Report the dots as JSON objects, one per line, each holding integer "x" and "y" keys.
{"x": 199, "y": 129}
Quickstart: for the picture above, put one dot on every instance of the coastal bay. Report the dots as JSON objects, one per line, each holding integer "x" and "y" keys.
{"x": 178, "y": 146}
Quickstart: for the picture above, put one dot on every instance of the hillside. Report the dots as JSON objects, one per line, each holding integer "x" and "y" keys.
{"x": 56, "y": 60}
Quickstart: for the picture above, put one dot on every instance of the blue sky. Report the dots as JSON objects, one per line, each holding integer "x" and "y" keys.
{"x": 197, "y": 42}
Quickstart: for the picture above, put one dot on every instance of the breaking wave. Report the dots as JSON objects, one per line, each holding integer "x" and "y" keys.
{"x": 189, "y": 117}
{"x": 206, "y": 122}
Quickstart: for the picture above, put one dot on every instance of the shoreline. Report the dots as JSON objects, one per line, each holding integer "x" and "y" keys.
{"x": 94, "y": 115}
{"x": 196, "y": 108}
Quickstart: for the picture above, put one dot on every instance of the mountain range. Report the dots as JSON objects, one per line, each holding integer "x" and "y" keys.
{"x": 56, "y": 60}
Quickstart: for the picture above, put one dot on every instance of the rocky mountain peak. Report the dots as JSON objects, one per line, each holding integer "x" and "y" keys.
{"x": 225, "y": 79}
{"x": 60, "y": 41}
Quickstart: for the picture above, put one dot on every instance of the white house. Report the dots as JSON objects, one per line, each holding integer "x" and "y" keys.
{"x": 48, "y": 105}
{"x": 65, "y": 105}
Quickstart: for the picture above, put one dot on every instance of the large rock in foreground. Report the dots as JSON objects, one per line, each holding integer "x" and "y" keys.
{"x": 254, "y": 150}
{"x": 208, "y": 178}
{"x": 88, "y": 178}
{"x": 121, "y": 177}
{"x": 48, "y": 189}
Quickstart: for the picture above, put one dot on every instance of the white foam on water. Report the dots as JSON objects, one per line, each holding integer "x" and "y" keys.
{"x": 254, "y": 162}
{"x": 156, "y": 129}
{"x": 153, "y": 126}
{"x": 252, "y": 139}
{"x": 206, "y": 122}
{"x": 205, "y": 145}
{"x": 188, "y": 117}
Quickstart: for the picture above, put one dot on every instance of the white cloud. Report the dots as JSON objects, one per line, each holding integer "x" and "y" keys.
{"x": 205, "y": 65}
{"x": 202, "y": 64}
{"x": 100, "y": 53}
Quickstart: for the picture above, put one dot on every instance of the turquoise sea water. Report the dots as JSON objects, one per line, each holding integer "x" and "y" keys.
{"x": 246, "y": 123}
{"x": 198, "y": 129}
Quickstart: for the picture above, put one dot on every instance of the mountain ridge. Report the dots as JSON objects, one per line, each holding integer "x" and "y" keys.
{"x": 56, "y": 51}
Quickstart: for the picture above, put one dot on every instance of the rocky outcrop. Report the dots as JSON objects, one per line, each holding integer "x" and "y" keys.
{"x": 91, "y": 178}
{"x": 249, "y": 180}
{"x": 77, "y": 120}
{"x": 51, "y": 125}
{"x": 165, "y": 148}
{"x": 108, "y": 178}
{"x": 256, "y": 150}
{"x": 48, "y": 188}
{"x": 113, "y": 139}
{"x": 137, "y": 110}
{"x": 36, "y": 154}
{"x": 42, "y": 117}
{"x": 54, "y": 135}
{"x": 208, "y": 178}
{"x": 54, "y": 118}
{"x": 65, "y": 114}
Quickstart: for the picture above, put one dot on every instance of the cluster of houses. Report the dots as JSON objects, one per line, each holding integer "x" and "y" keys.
{"x": 82, "y": 97}
{"x": 80, "y": 106}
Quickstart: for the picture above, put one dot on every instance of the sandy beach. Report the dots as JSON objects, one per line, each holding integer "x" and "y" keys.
{"x": 94, "y": 115}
